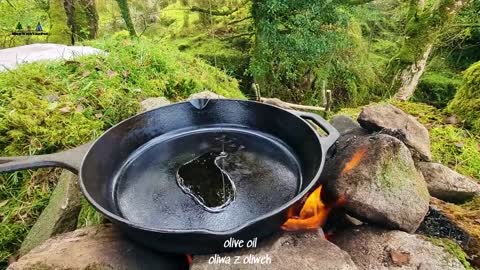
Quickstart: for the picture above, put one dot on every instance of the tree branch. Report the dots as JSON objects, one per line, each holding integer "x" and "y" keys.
{"x": 240, "y": 20}
{"x": 213, "y": 12}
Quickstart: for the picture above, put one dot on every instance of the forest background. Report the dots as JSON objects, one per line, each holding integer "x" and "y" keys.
{"x": 421, "y": 55}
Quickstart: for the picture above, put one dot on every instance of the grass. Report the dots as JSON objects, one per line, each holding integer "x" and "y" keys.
{"x": 88, "y": 215}
{"x": 47, "y": 107}
{"x": 23, "y": 196}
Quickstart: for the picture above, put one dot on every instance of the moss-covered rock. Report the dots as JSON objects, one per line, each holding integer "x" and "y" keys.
{"x": 59, "y": 216}
{"x": 377, "y": 178}
{"x": 466, "y": 103}
{"x": 453, "y": 248}
{"x": 436, "y": 89}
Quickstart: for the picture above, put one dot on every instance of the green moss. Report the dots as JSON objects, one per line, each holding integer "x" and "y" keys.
{"x": 466, "y": 103}
{"x": 394, "y": 173}
{"x": 457, "y": 148}
{"x": 350, "y": 112}
{"x": 389, "y": 175}
{"x": 436, "y": 88}
{"x": 453, "y": 248}
{"x": 424, "y": 113}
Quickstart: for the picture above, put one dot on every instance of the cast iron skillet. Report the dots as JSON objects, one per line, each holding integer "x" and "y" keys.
{"x": 275, "y": 158}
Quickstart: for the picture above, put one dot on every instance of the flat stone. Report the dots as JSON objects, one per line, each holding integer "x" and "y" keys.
{"x": 100, "y": 247}
{"x": 376, "y": 177}
{"x": 388, "y": 119}
{"x": 153, "y": 103}
{"x": 10, "y": 58}
{"x": 60, "y": 215}
{"x": 205, "y": 95}
{"x": 286, "y": 251}
{"x": 446, "y": 184}
{"x": 346, "y": 125}
{"x": 377, "y": 249}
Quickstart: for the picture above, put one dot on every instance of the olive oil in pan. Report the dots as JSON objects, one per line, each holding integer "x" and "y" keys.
{"x": 205, "y": 180}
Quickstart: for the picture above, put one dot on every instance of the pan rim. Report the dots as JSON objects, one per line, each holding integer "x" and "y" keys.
{"x": 230, "y": 232}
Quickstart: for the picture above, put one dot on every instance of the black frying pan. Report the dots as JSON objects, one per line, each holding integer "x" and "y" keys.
{"x": 272, "y": 156}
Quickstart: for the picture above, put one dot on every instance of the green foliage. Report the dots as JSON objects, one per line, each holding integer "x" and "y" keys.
{"x": 466, "y": 103}
{"x": 436, "y": 88}
{"x": 23, "y": 13}
{"x": 291, "y": 38}
{"x": 422, "y": 26}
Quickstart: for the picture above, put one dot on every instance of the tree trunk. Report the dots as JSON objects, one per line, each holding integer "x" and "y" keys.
{"x": 87, "y": 18}
{"x": 411, "y": 75}
{"x": 422, "y": 27}
{"x": 59, "y": 30}
{"x": 69, "y": 7}
{"x": 125, "y": 11}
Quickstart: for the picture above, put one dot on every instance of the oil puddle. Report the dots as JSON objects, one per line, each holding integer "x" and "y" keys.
{"x": 205, "y": 180}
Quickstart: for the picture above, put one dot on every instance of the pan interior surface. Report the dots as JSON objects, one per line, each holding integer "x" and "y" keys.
{"x": 264, "y": 171}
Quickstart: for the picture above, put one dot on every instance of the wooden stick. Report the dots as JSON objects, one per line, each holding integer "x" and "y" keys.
{"x": 324, "y": 97}
{"x": 286, "y": 105}
{"x": 329, "y": 101}
{"x": 282, "y": 104}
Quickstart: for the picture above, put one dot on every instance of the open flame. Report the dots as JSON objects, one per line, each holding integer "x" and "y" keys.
{"x": 355, "y": 160}
{"x": 312, "y": 216}
{"x": 314, "y": 212}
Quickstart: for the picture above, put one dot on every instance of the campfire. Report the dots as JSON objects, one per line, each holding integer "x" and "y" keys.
{"x": 312, "y": 215}
{"x": 314, "y": 212}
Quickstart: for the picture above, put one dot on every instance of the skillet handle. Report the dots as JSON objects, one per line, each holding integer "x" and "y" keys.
{"x": 333, "y": 133}
{"x": 69, "y": 159}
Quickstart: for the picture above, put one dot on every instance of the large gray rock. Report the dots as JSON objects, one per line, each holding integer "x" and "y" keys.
{"x": 377, "y": 249}
{"x": 446, "y": 184}
{"x": 11, "y": 57}
{"x": 153, "y": 103}
{"x": 101, "y": 247}
{"x": 285, "y": 252}
{"x": 389, "y": 119}
{"x": 377, "y": 178}
{"x": 59, "y": 216}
